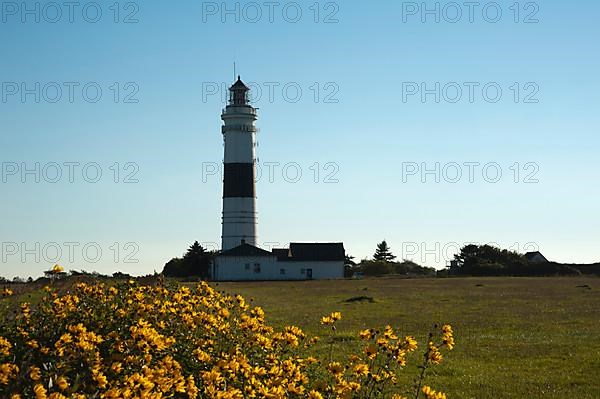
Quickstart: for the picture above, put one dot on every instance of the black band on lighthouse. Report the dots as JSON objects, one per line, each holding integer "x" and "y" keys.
{"x": 238, "y": 180}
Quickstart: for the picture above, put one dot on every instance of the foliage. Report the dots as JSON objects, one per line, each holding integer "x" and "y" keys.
{"x": 406, "y": 267}
{"x": 349, "y": 266}
{"x": 195, "y": 263}
{"x": 85, "y": 273}
{"x": 383, "y": 253}
{"x": 487, "y": 260}
{"x": 130, "y": 341}
{"x": 410, "y": 267}
{"x": 376, "y": 267}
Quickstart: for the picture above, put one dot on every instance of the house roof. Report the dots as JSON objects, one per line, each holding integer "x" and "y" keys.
{"x": 239, "y": 85}
{"x": 281, "y": 253}
{"x": 316, "y": 252}
{"x": 296, "y": 252}
{"x": 245, "y": 250}
{"x": 531, "y": 255}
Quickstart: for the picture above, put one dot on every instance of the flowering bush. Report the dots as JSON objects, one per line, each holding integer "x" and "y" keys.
{"x": 130, "y": 341}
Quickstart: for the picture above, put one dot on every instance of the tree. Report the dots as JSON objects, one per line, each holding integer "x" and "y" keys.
{"x": 194, "y": 252}
{"x": 195, "y": 263}
{"x": 349, "y": 260}
{"x": 487, "y": 260}
{"x": 383, "y": 253}
{"x": 349, "y": 266}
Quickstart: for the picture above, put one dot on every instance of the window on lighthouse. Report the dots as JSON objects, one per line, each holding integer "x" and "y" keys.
{"x": 238, "y": 97}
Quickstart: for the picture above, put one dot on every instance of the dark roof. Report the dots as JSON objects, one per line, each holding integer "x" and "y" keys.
{"x": 245, "y": 250}
{"x": 239, "y": 85}
{"x": 316, "y": 252}
{"x": 531, "y": 255}
{"x": 281, "y": 253}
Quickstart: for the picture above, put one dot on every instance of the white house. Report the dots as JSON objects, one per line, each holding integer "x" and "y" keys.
{"x": 302, "y": 261}
{"x": 241, "y": 259}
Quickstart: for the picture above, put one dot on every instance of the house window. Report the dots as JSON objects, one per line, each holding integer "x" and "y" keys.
{"x": 302, "y": 271}
{"x": 281, "y": 271}
{"x": 247, "y": 266}
{"x": 257, "y": 268}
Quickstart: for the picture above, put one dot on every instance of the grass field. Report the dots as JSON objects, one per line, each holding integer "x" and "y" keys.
{"x": 515, "y": 337}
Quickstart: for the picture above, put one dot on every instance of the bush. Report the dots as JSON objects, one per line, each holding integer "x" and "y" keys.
{"x": 376, "y": 267}
{"x": 130, "y": 341}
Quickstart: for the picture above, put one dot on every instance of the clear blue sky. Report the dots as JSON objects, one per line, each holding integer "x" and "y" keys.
{"x": 363, "y": 123}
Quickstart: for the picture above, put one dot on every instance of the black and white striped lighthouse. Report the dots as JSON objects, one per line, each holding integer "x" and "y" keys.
{"x": 239, "y": 190}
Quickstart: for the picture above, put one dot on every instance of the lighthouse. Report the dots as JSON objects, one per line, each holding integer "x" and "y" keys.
{"x": 239, "y": 190}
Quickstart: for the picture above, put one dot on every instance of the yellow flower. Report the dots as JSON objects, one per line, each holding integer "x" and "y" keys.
{"x": 336, "y": 316}
{"x": 314, "y": 395}
{"x": 447, "y": 336}
{"x": 101, "y": 380}
{"x": 26, "y": 310}
{"x": 34, "y": 373}
{"x": 7, "y": 292}
{"x": 366, "y": 334}
{"x": 5, "y": 346}
{"x": 434, "y": 355}
{"x": 62, "y": 383}
{"x": 33, "y": 344}
{"x": 388, "y": 333}
{"x": 191, "y": 388}
{"x": 361, "y": 369}
{"x": 159, "y": 341}
{"x": 7, "y": 372}
{"x": 332, "y": 318}
{"x": 371, "y": 351}
{"x": 431, "y": 394}
{"x": 40, "y": 391}
{"x": 212, "y": 377}
{"x": 117, "y": 367}
{"x": 410, "y": 344}
{"x": 335, "y": 368}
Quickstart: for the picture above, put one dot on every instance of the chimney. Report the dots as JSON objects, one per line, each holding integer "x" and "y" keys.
{"x": 243, "y": 241}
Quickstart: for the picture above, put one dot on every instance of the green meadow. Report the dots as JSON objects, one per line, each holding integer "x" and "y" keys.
{"x": 515, "y": 337}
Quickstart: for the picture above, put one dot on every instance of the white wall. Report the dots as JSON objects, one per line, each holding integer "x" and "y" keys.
{"x": 239, "y": 147}
{"x": 320, "y": 270}
{"x": 239, "y": 222}
{"x": 230, "y": 268}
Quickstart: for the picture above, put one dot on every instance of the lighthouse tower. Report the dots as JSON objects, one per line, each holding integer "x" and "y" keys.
{"x": 239, "y": 191}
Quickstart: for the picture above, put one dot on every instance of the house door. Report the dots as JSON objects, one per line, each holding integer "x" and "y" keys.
{"x": 309, "y": 274}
